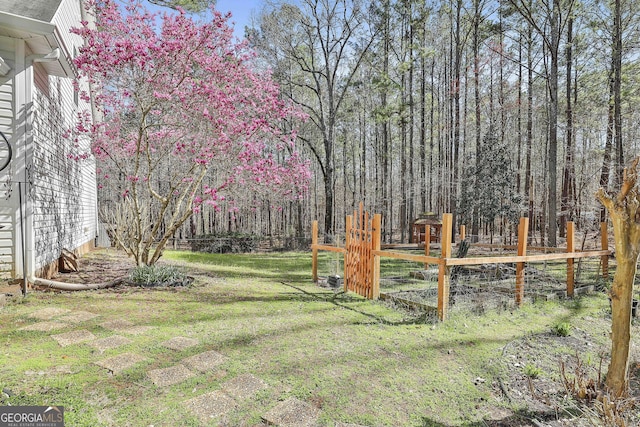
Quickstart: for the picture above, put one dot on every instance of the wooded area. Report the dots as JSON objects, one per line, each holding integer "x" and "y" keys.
{"x": 490, "y": 110}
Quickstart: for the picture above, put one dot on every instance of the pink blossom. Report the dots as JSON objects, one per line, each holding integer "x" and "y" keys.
{"x": 182, "y": 112}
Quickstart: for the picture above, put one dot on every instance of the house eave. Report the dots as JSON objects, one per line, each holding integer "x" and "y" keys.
{"x": 41, "y": 38}
{"x": 28, "y": 25}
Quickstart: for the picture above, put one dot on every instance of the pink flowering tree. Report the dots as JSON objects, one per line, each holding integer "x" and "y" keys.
{"x": 182, "y": 121}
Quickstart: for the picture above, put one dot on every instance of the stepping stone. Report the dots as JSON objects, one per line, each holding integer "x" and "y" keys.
{"x": 243, "y": 386}
{"x": 210, "y": 405}
{"x": 116, "y": 325}
{"x": 110, "y": 342}
{"x": 73, "y": 337}
{"x": 292, "y": 413}
{"x": 78, "y": 316}
{"x": 180, "y": 343}
{"x": 125, "y": 327}
{"x": 120, "y": 362}
{"x": 169, "y": 376}
{"x": 44, "y": 326}
{"x": 48, "y": 313}
{"x": 136, "y": 330}
{"x": 204, "y": 362}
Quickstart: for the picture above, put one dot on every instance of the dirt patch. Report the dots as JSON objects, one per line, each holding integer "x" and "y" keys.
{"x": 98, "y": 266}
{"x": 540, "y": 372}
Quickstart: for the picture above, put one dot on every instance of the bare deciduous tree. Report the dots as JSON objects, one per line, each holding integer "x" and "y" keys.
{"x": 321, "y": 44}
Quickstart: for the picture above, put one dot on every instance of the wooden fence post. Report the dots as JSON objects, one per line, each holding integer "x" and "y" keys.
{"x": 347, "y": 246}
{"x": 604, "y": 239}
{"x": 463, "y": 232}
{"x": 523, "y": 231}
{"x": 375, "y": 259}
{"x": 444, "y": 278}
{"x": 314, "y": 251}
{"x": 427, "y": 243}
{"x": 570, "y": 269}
{"x": 364, "y": 287}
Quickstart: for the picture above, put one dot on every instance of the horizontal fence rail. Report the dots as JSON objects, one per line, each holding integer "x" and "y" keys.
{"x": 364, "y": 259}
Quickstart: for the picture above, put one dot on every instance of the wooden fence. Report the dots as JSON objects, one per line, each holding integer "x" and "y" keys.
{"x": 362, "y": 255}
{"x": 360, "y": 266}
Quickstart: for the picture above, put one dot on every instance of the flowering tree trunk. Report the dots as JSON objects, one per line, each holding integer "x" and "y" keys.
{"x": 624, "y": 210}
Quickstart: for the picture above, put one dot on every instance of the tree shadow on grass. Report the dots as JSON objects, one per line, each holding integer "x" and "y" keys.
{"x": 341, "y": 299}
{"x": 521, "y": 418}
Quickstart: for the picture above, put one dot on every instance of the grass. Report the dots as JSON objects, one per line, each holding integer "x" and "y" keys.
{"x": 358, "y": 361}
{"x": 561, "y": 329}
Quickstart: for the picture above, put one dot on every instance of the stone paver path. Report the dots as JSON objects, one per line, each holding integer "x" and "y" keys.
{"x": 78, "y": 317}
{"x": 293, "y": 413}
{"x": 125, "y": 327}
{"x": 204, "y": 362}
{"x": 169, "y": 376}
{"x": 137, "y": 330}
{"x": 73, "y": 337}
{"x": 206, "y": 407}
{"x": 46, "y": 326}
{"x": 48, "y": 313}
{"x": 244, "y": 386}
{"x": 119, "y": 363}
{"x": 108, "y": 343}
{"x": 54, "y": 318}
{"x": 180, "y": 343}
{"x": 211, "y": 405}
{"x": 116, "y": 325}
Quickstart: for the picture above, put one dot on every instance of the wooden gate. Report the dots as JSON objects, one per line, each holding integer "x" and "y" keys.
{"x": 362, "y": 238}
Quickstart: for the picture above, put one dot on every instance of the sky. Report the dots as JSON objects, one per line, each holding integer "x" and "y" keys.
{"x": 241, "y": 11}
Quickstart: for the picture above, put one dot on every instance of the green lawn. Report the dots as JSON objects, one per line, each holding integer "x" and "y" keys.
{"x": 358, "y": 361}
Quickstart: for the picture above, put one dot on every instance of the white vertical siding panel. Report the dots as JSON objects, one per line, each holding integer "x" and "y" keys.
{"x": 8, "y": 189}
{"x": 64, "y": 189}
{"x": 67, "y": 17}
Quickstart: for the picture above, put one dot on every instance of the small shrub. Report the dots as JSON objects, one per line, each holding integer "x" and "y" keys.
{"x": 562, "y": 329}
{"x": 158, "y": 275}
{"x": 225, "y": 243}
{"x": 532, "y": 371}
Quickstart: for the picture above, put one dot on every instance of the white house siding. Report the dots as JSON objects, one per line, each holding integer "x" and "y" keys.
{"x": 37, "y": 106}
{"x": 63, "y": 192}
{"x": 64, "y": 189}
{"x": 8, "y": 195}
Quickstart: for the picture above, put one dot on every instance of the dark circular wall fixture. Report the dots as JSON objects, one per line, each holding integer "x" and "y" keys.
{"x": 5, "y": 153}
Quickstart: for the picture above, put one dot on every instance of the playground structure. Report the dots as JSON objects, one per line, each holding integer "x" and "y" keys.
{"x": 363, "y": 251}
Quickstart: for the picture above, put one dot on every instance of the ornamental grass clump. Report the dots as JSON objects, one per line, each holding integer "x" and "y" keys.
{"x": 158, "y": 275}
